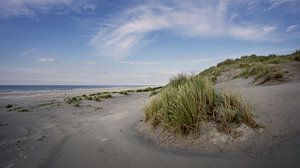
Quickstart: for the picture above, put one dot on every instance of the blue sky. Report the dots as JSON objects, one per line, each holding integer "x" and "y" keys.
{"x": 136, "y": 42}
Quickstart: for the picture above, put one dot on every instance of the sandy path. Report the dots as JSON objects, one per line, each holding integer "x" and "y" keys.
{"x": 66, "y": 136}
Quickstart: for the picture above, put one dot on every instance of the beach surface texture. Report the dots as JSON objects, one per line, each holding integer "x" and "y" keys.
{"x": 42, "y": 130}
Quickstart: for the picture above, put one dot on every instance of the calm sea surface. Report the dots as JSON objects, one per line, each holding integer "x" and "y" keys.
{"x": 12, "y": 88}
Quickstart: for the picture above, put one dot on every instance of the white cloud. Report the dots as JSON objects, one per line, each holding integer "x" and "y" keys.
{"x": 29, "y": 52}
{"x": 46, "y": 60}
{"x": 90, "y": 7}
{"x": 233, "y": 17}
{"x": 291, "y": 28}
{"x": 276, "y": 3}
{"x": 187, "y": 19}
{"x": 10, "y": 8}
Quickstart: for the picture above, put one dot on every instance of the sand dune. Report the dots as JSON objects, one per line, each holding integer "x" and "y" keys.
{"x": 104, "y": 134}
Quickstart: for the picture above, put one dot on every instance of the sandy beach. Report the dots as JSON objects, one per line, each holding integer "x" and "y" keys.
{"x": 149, "y": 84}
{"x": 105, "y": 134}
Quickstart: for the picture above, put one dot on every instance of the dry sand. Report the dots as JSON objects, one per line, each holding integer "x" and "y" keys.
{"x": 104, "y": 134}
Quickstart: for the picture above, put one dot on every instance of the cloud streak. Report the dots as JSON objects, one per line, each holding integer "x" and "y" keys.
{"x": 276, "y": 3}
{"x": 13, "y": 8}
{"x": 46, "y": 60}
{"x": 186, "y": 19}
{"x": 291, "y": 28}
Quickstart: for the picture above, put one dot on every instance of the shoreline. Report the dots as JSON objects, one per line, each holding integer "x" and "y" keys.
{"x": 71, "y": 92}
{"x": 73, "y": 89}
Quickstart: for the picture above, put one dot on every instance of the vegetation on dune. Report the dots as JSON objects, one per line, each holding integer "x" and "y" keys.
{"x": 48, "y": 103}
{"x": 259, "y": 70}
{"x": 153, "y": 93}
{"x": 9, "y": 106}
{"x": 258, "y": 66}
{"x": 186, "y": 102}
{"x": 18, "y": 109}
{"x": 106, "y": 95}
{"x": 123, "y": 92}
{"x": 73, "y": 100}
{"x": 93, "y": 97}
{"x": 148, "y": 89}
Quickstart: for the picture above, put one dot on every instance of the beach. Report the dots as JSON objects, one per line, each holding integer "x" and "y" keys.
{"x": 149, "y": 84}
{"x": 106, "y": 133}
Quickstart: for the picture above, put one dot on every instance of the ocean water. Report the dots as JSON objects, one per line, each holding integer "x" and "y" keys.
{"x": 13, "y": 88}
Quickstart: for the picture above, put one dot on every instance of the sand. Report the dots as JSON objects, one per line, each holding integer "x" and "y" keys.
{"x": 106, "y": 134}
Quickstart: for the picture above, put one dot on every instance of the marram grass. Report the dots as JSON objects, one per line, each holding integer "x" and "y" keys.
{"x": 182, "y": 106}
{"x": 260, "y": 67}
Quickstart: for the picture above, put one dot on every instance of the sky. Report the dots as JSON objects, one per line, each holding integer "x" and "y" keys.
{"x": 121, "y": 42}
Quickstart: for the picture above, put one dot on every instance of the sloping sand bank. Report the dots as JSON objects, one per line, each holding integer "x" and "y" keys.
{"x": 104, "y": 134}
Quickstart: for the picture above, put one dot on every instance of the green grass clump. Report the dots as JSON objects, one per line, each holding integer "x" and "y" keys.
{"x": 148, "y": 89}
{"x": 123, "y": 92}
{"x": 153, "y": 93}
{"x": 105, "y": 96}
{"x": 297, "y": 55}
{"x": 178, "y": 80}
{"x": 253, "y": 65}
{"x": 260, "y": 70}
{"x": 96, "y": 98}
{"x": 9, "y": 106}
{"x": 18, "y": 109}
{"x": 92, "y": 97}
{"x": 74, "y": 100}
{"x": 181, "y": 108}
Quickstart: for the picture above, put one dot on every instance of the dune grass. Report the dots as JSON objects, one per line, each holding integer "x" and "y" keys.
{"x": 153, "y": 93}
{"x": 18, "y": 109}
{"x": 259, "y": 70}
{"x": 186, "y": 102}
{"x": 9, "y": 106}
{"x": 47, "y": 103}
{"x": 123, "y": 92}
{"x": 148, "y": 89}
{"x": 93, "y": 97}
{"x": 98, "y": 97}
{"x": 253, "y": 65}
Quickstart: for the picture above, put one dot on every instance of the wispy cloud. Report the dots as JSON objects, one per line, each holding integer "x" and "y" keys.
{"x": 46, "y": 60}
{"x": 89, "y": 7}
{"x": 29, "y": 52}
{"x": 10, "y": 8}
{"x": 276, "y": 3}
{"x": 187, "y": 19}
{"x": 291, "y": 28}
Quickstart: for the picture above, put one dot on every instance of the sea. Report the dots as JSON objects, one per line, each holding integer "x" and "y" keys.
{"x": 24, "y": 88}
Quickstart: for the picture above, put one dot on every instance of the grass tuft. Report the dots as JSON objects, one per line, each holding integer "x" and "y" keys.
{"x": 153, "y": 93}
{"x": 183, "y": 105}
{"x": 18, "y": 109}
{"x": 148, "y": 89}
{"x": 124, "y": 92}
{"x": 9, "y": 106}
{"x": 258, "y": 66}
